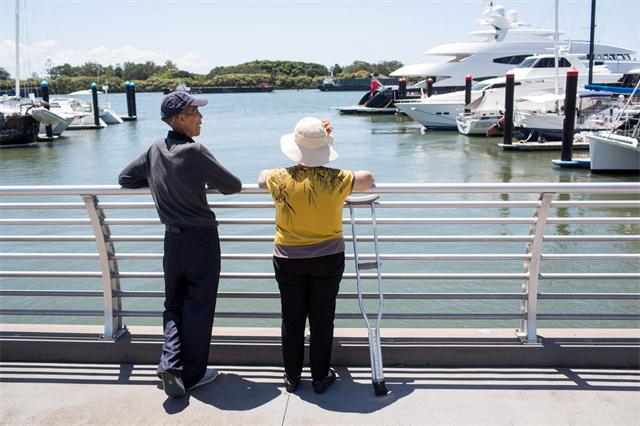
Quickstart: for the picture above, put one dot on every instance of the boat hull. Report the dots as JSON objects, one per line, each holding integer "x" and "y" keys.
{"x": 17, "y": 130}
{"x": 611, "y": 152}
{"x": 476, "y": 126}
{"x": 443, "y": 119}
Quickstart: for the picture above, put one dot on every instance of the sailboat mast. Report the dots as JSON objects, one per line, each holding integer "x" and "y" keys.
{"x": 555, "y": 49}
{"x": 592, "y": 39}
{"x": 18, "y": 48}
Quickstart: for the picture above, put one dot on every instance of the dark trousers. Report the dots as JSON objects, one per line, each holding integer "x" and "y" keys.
{"x": 308, "y": 287}
{"x": 191, "y": 274}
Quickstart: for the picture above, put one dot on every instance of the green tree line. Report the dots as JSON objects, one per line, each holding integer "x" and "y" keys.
{"x": 151, "y": 77}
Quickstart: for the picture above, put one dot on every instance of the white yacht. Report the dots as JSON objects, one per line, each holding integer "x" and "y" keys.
{"x": 505, "y": 45}
{"x": 535, "y": 75}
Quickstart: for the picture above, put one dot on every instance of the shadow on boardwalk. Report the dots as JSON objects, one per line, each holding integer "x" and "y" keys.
{"x": 245, "y": 388}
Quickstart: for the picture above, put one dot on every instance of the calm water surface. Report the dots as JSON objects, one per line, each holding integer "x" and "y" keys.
{"x": 243, "y": 131}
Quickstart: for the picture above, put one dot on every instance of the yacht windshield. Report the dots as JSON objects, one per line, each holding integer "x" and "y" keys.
{"x": 527, "y": 63}
{"x": 479, "y": 86}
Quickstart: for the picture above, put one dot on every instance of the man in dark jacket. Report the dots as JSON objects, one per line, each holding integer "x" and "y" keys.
{"x": 178, "y": 171}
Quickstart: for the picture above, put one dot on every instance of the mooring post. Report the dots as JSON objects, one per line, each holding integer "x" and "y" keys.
{"x": 133, "y": 99}
{"x": 467, "y": 91}
{"x": 508, "y": 109}
{"x": 44, "y": 85}
{"x": 429, "y": 87}
{"x": 568, "y": 126}
{"x": 96, "y": 110}
{"x": 128, "y": 97}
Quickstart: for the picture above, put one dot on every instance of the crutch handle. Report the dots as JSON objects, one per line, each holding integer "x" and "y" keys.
{"x": 364, "y": 199}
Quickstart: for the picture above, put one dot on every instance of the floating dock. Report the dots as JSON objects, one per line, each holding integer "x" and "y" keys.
{"x": 540, "y": 146}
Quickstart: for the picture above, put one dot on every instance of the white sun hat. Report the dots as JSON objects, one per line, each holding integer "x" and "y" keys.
{"x": 309, "y": 144}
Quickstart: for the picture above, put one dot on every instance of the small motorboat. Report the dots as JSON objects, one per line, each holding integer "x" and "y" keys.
{"x": 478, "y": 123}
{"x": 618, "y": 149}
{"x": 46, "y": 116}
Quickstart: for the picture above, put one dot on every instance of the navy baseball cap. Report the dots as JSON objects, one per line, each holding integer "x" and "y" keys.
{"x": 176, "y": 102}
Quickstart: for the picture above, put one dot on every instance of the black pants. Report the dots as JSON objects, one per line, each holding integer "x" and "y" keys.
{"x": 191, "y": 274}
{"x": 308, "y": 287}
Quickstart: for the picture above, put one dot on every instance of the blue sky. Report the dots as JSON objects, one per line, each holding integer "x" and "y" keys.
{"x": 201, "y": 34}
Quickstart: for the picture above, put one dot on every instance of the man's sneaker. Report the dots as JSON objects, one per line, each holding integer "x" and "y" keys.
{"x": 172, "y": 385}
{"x": 209, "y": 376}
{"x": 321, "y": 385}
{"x": 291, "y": 384}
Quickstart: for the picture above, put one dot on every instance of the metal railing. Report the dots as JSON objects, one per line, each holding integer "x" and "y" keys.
{"x": 456, "y": 217}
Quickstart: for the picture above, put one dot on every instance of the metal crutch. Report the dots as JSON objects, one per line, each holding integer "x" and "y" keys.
{"x": 375, "y": 352}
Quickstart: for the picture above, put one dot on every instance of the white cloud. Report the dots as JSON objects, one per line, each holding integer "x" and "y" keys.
{"x": 34, "y": 57}
{"x": 192, "y": 62}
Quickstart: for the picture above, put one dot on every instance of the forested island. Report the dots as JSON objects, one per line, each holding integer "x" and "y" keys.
{"x": 151, "y": 77}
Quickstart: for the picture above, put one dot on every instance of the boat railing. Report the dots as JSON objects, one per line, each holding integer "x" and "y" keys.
{"x": 464, "y": 254}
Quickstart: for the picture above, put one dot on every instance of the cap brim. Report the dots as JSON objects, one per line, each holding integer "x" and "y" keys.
{"x": 199, "y": 102}
{"x": 306, "y": 156}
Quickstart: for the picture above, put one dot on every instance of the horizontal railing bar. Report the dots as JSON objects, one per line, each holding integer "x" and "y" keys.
{"x": 49, "y": 256}
{"x": 605, "y": 220}
{"x": 47, "y": 238}
{"x": 47, "y": 206}
{"x": 76, "y": 221}
{"x": 589, "y": 276}
{"x": 364, "y": 238}
{"x": 266, "y": 256}
{"x": 277, "y": 315}
{"x": 396, "y": 276}
{"x": 382, "y": 204}
{"x": 610, "y": 317}
{"x": 415, "y": 238}
{"x": 388, "y": 296}
{"x": 599, "y": 238}
{"x": 496, "y": 256}
{"x": 344, "y": 296}
{"x": 391, "y": 276}
{"x": 394, "y": 296}
{"x": 345, "y": 315}
{"x": 625, "y": 204}
{"x": 455, "y": 204}
{"x": 617, "y": 256}
{"x": 52, "y": 312}
{"x": 593, "y": 296}
{"x": 51, "y": 274}
{"x": 380, "y": 221}
{"x": 54, "y": 293}
{"x": 382, "y": 188}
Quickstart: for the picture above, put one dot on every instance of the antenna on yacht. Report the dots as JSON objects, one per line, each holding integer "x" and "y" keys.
{"x": 18, "y": 49}
{"x": 556, "y": 59}
{"x": 591, "y": 39}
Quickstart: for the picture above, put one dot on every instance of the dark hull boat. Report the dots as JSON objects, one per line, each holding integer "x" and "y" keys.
{"x": 17, "y": 130}
{"x": 380, "y": 102}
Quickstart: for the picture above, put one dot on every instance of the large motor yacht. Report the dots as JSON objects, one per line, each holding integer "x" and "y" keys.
{"x": 535, "y": 75}
{"x": 506, "y": 44}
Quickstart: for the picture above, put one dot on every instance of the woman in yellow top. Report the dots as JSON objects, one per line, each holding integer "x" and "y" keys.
{"x": 308, "y": 254}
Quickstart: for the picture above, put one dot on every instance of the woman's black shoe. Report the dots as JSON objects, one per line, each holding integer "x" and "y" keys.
{"x": 291, "y": 383}
{"x": 321, "y": 385}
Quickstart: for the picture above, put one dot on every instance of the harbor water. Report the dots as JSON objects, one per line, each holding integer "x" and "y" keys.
{"x": 243, "y": 132}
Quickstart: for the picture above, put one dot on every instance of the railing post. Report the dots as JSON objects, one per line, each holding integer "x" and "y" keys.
{"x": 529, "y": 305}
{"x": 113, "y": 327}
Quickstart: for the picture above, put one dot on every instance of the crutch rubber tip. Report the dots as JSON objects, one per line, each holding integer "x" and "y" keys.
{"x": 380, "y": 389}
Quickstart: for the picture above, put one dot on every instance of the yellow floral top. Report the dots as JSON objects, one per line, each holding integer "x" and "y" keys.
{"x": 309, "y": 203}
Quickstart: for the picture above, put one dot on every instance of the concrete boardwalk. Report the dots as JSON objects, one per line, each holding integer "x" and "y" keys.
{"x": 45, "y": 393}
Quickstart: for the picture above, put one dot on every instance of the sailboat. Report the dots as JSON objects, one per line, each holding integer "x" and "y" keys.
{"x": 17, "y": 128}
